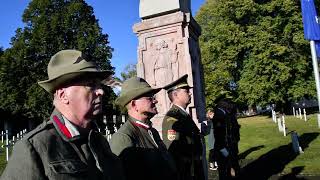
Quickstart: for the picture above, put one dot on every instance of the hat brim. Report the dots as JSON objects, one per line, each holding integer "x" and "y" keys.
{"x": 123, "y": 100}
{"x": 177, "y": 84}
{"x": 51, "y": 85}
{"x": 178, "y": 87}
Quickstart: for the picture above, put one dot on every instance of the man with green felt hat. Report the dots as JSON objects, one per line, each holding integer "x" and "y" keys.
{"x": 180, "y": 134}
{"x": 137, "y": 143}
{"x": 68, "y": 145}
{"x": 68, "y": 66}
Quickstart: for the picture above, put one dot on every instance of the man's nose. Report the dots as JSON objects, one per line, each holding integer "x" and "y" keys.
{"x": 155, "y": 101}
{"x": 99, "y": 92}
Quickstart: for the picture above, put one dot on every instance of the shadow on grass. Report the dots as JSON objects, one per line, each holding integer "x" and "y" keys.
{"x": 274, "y": 161}
{"x": 294, "y": 174}
{"x": 244, "y": 154}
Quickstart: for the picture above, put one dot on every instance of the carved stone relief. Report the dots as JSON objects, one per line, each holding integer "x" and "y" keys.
{"x": 168, "y": 49}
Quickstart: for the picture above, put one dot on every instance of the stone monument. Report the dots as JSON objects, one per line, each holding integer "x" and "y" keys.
{"x": 168, "y": 48}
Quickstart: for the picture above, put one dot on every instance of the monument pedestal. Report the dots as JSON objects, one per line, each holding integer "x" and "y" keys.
{"x": 168, "y": 48}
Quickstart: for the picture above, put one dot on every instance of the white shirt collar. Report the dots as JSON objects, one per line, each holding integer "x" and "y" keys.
{"x": 72, "y": 129}
{"x": 142, "y": 124}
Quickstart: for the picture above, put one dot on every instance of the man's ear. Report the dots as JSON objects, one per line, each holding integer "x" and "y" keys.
{"x": 62, "y": 95}
{"x": 132, "y": 105}
{"x": 174, "y": 93}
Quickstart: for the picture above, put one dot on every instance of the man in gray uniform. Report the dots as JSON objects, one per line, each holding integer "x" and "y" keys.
{"x": 67, "y": 146}
{"x": 143, "y": 154}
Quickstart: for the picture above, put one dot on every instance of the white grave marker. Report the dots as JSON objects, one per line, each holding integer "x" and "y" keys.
{"x": 274, "y": 116}
{"x": 115, "y": 128}
{"x": 7, "y": 145}
{"x": 293, "y": 110}
{"x": 280, "y": 125}
{"x": 300, "y": 115}
{"x": 114, "y": 119}
{"x": 284, "y": 126}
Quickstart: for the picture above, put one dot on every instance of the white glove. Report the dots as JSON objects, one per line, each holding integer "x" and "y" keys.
{"x": 224, "y": 152}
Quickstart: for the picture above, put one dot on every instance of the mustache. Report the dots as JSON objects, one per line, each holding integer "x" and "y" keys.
{"x": 96, "y": 101}
{"x": 97, "y": 104}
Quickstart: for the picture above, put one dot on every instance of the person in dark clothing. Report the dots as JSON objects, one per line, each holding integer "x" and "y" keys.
{"x": 181, "y": 135}
{"x": 226, "y": 133}
{"x": 234, "y": 138}
{"x": 212, "y": 158}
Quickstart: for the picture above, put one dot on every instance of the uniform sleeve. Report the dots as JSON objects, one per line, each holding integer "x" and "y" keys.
{"x": 119, "y": 142}
{"x": 205, "y": 128}
{"x": 24, "y": 163}
{"x": 169, "y": 134}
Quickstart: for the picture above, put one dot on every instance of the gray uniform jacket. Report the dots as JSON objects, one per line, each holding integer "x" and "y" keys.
{"x": 49, "y": 152}
{"x": 143, "y": 156}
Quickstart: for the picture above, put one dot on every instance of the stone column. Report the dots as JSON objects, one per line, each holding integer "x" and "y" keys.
{"x": 169, "y": 48}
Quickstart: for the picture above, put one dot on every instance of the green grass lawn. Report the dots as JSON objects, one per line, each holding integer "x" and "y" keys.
{"x": 264, "y": 148}
{"x": 3, "y": 161}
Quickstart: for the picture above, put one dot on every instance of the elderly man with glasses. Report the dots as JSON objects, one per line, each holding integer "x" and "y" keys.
{"x": 68, "y": 145}
{"x": 143, "y": 154}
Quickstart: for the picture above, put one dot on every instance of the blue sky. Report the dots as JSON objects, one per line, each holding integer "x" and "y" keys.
{"x": 116, "y": 18}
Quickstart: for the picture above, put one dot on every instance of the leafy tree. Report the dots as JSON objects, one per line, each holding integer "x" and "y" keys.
{"x": 222, "y": 46}
{"x": 1, "y": 51}
{"x": 50, "y": 26}
{"x": 277, "y": 69}
{"x": 258, "y": 47}
{"x": 129, "y": 71}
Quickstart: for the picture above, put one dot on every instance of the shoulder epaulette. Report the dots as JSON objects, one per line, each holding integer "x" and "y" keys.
{"x": 38, "y": 129}
{"x": 171, "y": 119}
{"x": 172, "y": 112}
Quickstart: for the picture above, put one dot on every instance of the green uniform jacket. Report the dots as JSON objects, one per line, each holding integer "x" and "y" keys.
{"x": 49, "y": 152}
{"x": 183, "y": 140}
{"x": 142, "y": 156}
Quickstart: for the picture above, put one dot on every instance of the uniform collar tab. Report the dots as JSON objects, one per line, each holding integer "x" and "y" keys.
{"x": 61, "y": 127}
{"x": 141, "y": 124}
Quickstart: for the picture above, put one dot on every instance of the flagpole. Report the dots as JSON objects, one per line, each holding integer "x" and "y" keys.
{"x": 316, "y": 75}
